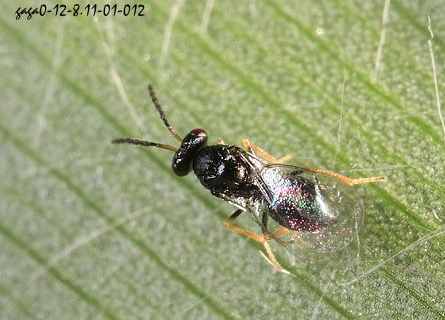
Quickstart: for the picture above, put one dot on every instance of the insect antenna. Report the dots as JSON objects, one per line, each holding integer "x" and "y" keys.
{"x": 143, "y": 143}
{"x": 162, "y": 113}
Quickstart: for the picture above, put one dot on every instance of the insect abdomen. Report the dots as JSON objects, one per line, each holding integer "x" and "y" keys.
{"x": 301, "y": 205}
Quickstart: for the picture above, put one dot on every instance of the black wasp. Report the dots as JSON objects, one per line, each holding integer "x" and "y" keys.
{"x": 312, "y": 204}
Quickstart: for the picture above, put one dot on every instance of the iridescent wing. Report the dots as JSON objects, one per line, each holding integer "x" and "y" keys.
{"x": 324, "y": 213}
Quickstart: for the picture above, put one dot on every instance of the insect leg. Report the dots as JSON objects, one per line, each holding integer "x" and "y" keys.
{"x": 284, "y": 158}
{"x": 344, "y": 179}
{"x": 220, "y": 142}
{"x": 278, "y": 233}
{"x": 267, "y": 236}
{"x": 258, "y": 238}
{"x": 244, "y": 232}
{"x": 272, "y": 258}
{"x": 250, "y": 146}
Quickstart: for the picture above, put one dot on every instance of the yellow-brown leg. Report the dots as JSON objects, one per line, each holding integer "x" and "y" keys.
{"x": 250, "y": 146}
{"x": 346, "y": 180}
{"x": 244, "y": 232}
{"x": 278, "y": 233}
{"x": 263, "y": 238}
{"x": 220, "y": 141}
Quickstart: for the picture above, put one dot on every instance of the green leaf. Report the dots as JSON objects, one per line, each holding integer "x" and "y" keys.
{"x": 93, "y": 230}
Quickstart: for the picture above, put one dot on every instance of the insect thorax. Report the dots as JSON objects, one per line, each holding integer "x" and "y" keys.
{"x": 223, "y": 171}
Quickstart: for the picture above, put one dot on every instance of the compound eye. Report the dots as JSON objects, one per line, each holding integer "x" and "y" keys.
{"x": 198, "y": 132}
{"x": 183, "y": 158}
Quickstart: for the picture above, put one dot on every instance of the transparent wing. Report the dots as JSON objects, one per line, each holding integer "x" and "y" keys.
{"x": 324, "y": 213}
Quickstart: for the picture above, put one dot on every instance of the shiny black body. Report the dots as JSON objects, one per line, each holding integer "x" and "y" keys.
{"x": 244, "y": 179}
{"x": 225, "y": 172}
{"x": 220, "y": 168}
{"x": 228, "y": 173}
{"x": 296, "y": 207}
{"x": 313, "y": 205}
{"x": 235, "y": 175}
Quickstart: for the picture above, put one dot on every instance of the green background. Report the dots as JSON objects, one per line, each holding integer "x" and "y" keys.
{"x": 89, "y": 230}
